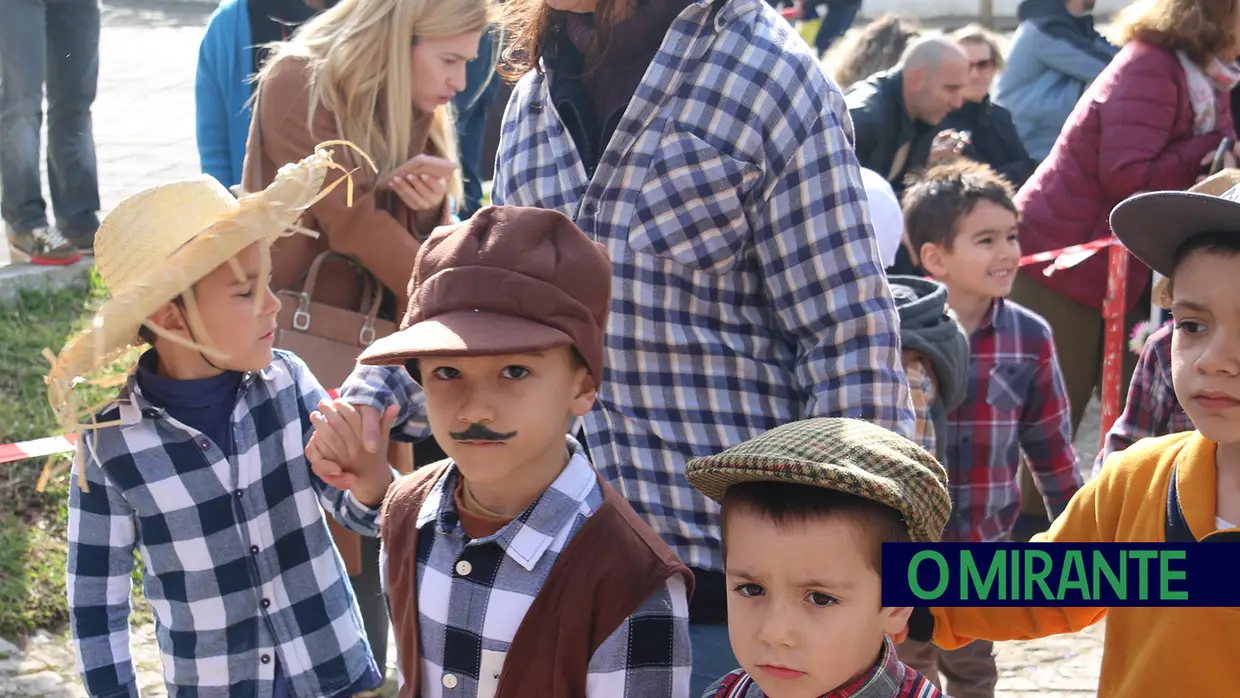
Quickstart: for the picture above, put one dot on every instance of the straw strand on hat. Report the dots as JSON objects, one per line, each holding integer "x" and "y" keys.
{"x": 193, "y": 227}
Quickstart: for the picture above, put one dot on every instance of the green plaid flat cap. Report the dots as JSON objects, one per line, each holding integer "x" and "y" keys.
{"x": 846, "y": 455}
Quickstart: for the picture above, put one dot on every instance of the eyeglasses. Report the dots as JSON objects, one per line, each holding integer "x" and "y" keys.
{"x": 986, "y": 64}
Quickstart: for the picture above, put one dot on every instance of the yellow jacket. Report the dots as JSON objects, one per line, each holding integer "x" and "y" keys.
{"x": 1148, "y": 652}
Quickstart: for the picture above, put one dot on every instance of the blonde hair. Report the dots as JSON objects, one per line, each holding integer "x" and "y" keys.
{"x": 358, "y": 58}
{"x": 979, "y": 35}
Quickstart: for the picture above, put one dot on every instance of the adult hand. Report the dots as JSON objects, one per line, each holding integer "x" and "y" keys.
{"x": 420, "y": 192}
{"x": 947, "y": 146}
{"x": 1229, "y": 160}
{"x": 348, "y": 449}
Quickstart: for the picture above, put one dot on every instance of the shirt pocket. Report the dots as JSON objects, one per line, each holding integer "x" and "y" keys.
{"x": 691, "y": 207}
{"x": 1008, "y": 385}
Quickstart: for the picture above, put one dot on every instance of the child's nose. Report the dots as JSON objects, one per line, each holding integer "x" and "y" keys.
{"x": 776, "y": 629}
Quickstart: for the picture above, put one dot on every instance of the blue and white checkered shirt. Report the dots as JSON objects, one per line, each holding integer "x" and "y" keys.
{"x": 473, "y": 595}
{"x": 240, "y": 566}
{"x": 747, "y": 287}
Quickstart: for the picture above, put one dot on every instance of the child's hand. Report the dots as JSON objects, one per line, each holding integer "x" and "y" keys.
{"x": 338, "y": 456}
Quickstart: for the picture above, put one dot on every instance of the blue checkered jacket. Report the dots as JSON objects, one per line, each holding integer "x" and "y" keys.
{"x": 747, "y": 290}
{"x": 240, "y": 566}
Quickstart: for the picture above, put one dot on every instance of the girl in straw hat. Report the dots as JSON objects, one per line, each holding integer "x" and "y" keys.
{"x": 199, "y": 463}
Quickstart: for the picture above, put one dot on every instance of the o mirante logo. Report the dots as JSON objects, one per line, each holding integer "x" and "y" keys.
{"x": 1060, "y": 574}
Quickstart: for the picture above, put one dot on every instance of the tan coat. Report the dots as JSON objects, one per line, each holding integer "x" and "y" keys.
{"x": 378, "y": 231}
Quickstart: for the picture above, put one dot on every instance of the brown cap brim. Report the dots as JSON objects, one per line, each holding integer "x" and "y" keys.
{"x": 1153, "y": 226}
{"x": 464, "y": 333}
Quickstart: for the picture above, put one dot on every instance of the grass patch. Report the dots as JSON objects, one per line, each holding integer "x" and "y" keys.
{"x": 33, "y": 525}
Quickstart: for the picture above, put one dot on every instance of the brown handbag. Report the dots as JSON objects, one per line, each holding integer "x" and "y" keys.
{"x": 327, "y": 338}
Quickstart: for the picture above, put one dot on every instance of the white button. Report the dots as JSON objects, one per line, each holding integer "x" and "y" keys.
{"x": 449, "y": 681}
{"x": 463, "y": 568}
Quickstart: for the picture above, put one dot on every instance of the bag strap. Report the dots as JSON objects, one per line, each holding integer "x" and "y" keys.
{"x": 301, "y": 316}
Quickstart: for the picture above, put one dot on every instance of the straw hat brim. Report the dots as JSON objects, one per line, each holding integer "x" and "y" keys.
{"x": 258, "y": 218}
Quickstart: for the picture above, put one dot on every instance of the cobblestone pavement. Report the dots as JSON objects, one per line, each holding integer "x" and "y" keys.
{"x": 144, "y": 133}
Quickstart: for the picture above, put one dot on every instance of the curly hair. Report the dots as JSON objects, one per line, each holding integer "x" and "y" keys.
{"x": 875, "y": 47}
{"x": 1202, "y": 29}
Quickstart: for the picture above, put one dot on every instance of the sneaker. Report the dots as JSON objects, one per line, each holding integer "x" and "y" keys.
{"x": 43, "y": 246}
{"x": 84, "y": 244}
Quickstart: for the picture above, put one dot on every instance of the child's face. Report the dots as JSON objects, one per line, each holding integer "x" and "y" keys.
{"x": 226, "y": 321}
{"x": 1205, "y": 347}
{"x": 804, "y": 603}
{"x": 494, "y": 415}
{"x": 985, "y": 254}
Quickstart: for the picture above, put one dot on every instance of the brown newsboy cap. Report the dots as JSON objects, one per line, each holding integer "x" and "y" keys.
{"x": 845, "y": 455}
{"x": 509, "y": 280}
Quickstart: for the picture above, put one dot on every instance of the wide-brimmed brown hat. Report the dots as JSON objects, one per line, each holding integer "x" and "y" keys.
{"x": 845, "y": 455}
{"x": 1154, "y": 225}
{"x": 510, "y": 280}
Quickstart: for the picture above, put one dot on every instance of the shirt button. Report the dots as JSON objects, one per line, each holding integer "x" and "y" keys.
{"x": 463, "y": 568}
{"x": 265, "y": 603}
{"x": 204, "y": 444}
{"x": 240, "y": 493}
{"x": 253, "y": 549}
{"x": 265, "y": 659}
{"x": 449, "y": 681}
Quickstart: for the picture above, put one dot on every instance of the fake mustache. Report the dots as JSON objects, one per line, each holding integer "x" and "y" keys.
{"x": 479, "y": 432}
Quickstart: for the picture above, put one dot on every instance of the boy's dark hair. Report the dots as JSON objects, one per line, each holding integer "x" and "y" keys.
{"x": 1222, "y": 243}
{"x": 936, "y": 200}
{"x": 785, "y": 503}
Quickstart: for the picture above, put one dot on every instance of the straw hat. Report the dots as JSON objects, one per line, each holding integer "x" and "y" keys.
{"x": 157, "y": 244}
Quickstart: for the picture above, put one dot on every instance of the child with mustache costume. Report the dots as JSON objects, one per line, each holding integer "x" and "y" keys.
{"x": 511, "y": 568}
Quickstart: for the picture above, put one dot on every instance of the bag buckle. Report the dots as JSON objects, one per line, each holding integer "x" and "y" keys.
{"x": 367, "y": 335}
{"x": 301, "y": 316}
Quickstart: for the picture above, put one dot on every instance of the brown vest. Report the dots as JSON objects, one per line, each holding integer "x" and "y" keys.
{"x": 613, "y": 564}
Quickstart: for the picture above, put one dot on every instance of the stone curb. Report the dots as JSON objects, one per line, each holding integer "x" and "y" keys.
{"x": 15, "y": 278}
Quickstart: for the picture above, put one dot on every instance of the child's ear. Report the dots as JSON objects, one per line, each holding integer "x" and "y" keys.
{"x": 585, "y": 392}
{"x": 931, "y": 257}
{"x": 895, "y": 619}
{"x": 170, "y": 318}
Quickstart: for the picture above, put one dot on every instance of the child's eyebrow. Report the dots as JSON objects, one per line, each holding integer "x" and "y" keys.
{"x": 826, "y": 584}
{"x": 249, "y": 279}
{"x": 1190, "y": 306}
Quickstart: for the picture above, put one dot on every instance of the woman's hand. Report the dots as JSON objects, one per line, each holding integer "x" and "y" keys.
{"x": 1229, "y": 161}
{"x": 420, "y": 192}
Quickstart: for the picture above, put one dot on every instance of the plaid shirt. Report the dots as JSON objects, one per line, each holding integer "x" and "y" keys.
{"x": 240, "y": 567}
{"x": 747, "y": 287}
{"x": 923, "y": 392}
{"x": 890, "y": 678}
{"x": 473, "y": 595}
{"x": 1017, "y": 402}
{"x": 1152, "y": 408}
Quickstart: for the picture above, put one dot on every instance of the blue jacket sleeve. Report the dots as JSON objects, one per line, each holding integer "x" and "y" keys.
{"x": 211, "y": 90}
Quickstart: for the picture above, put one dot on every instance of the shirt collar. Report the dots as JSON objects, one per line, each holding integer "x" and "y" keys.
{"x": 526, "y": 538}
{"x": 997, "y": 317}
{"x": 133, "y": 406}
{"x": 884, "y": 680}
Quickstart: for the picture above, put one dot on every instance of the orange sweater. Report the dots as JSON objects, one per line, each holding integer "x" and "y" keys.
{"x": 1148, "y": 652}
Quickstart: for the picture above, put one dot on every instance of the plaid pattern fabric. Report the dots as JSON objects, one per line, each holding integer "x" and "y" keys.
{"x": 747, "y": 287}
{"x": 240, "y": 567}
{"x": 923, "y": 393}
{"x": 890, "y": 678}
{"x": 1017, "y": 402}
{"x": 1152, "y": 408}
{"x": 846, "y": 455}
{"x": 473, "y": 595}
